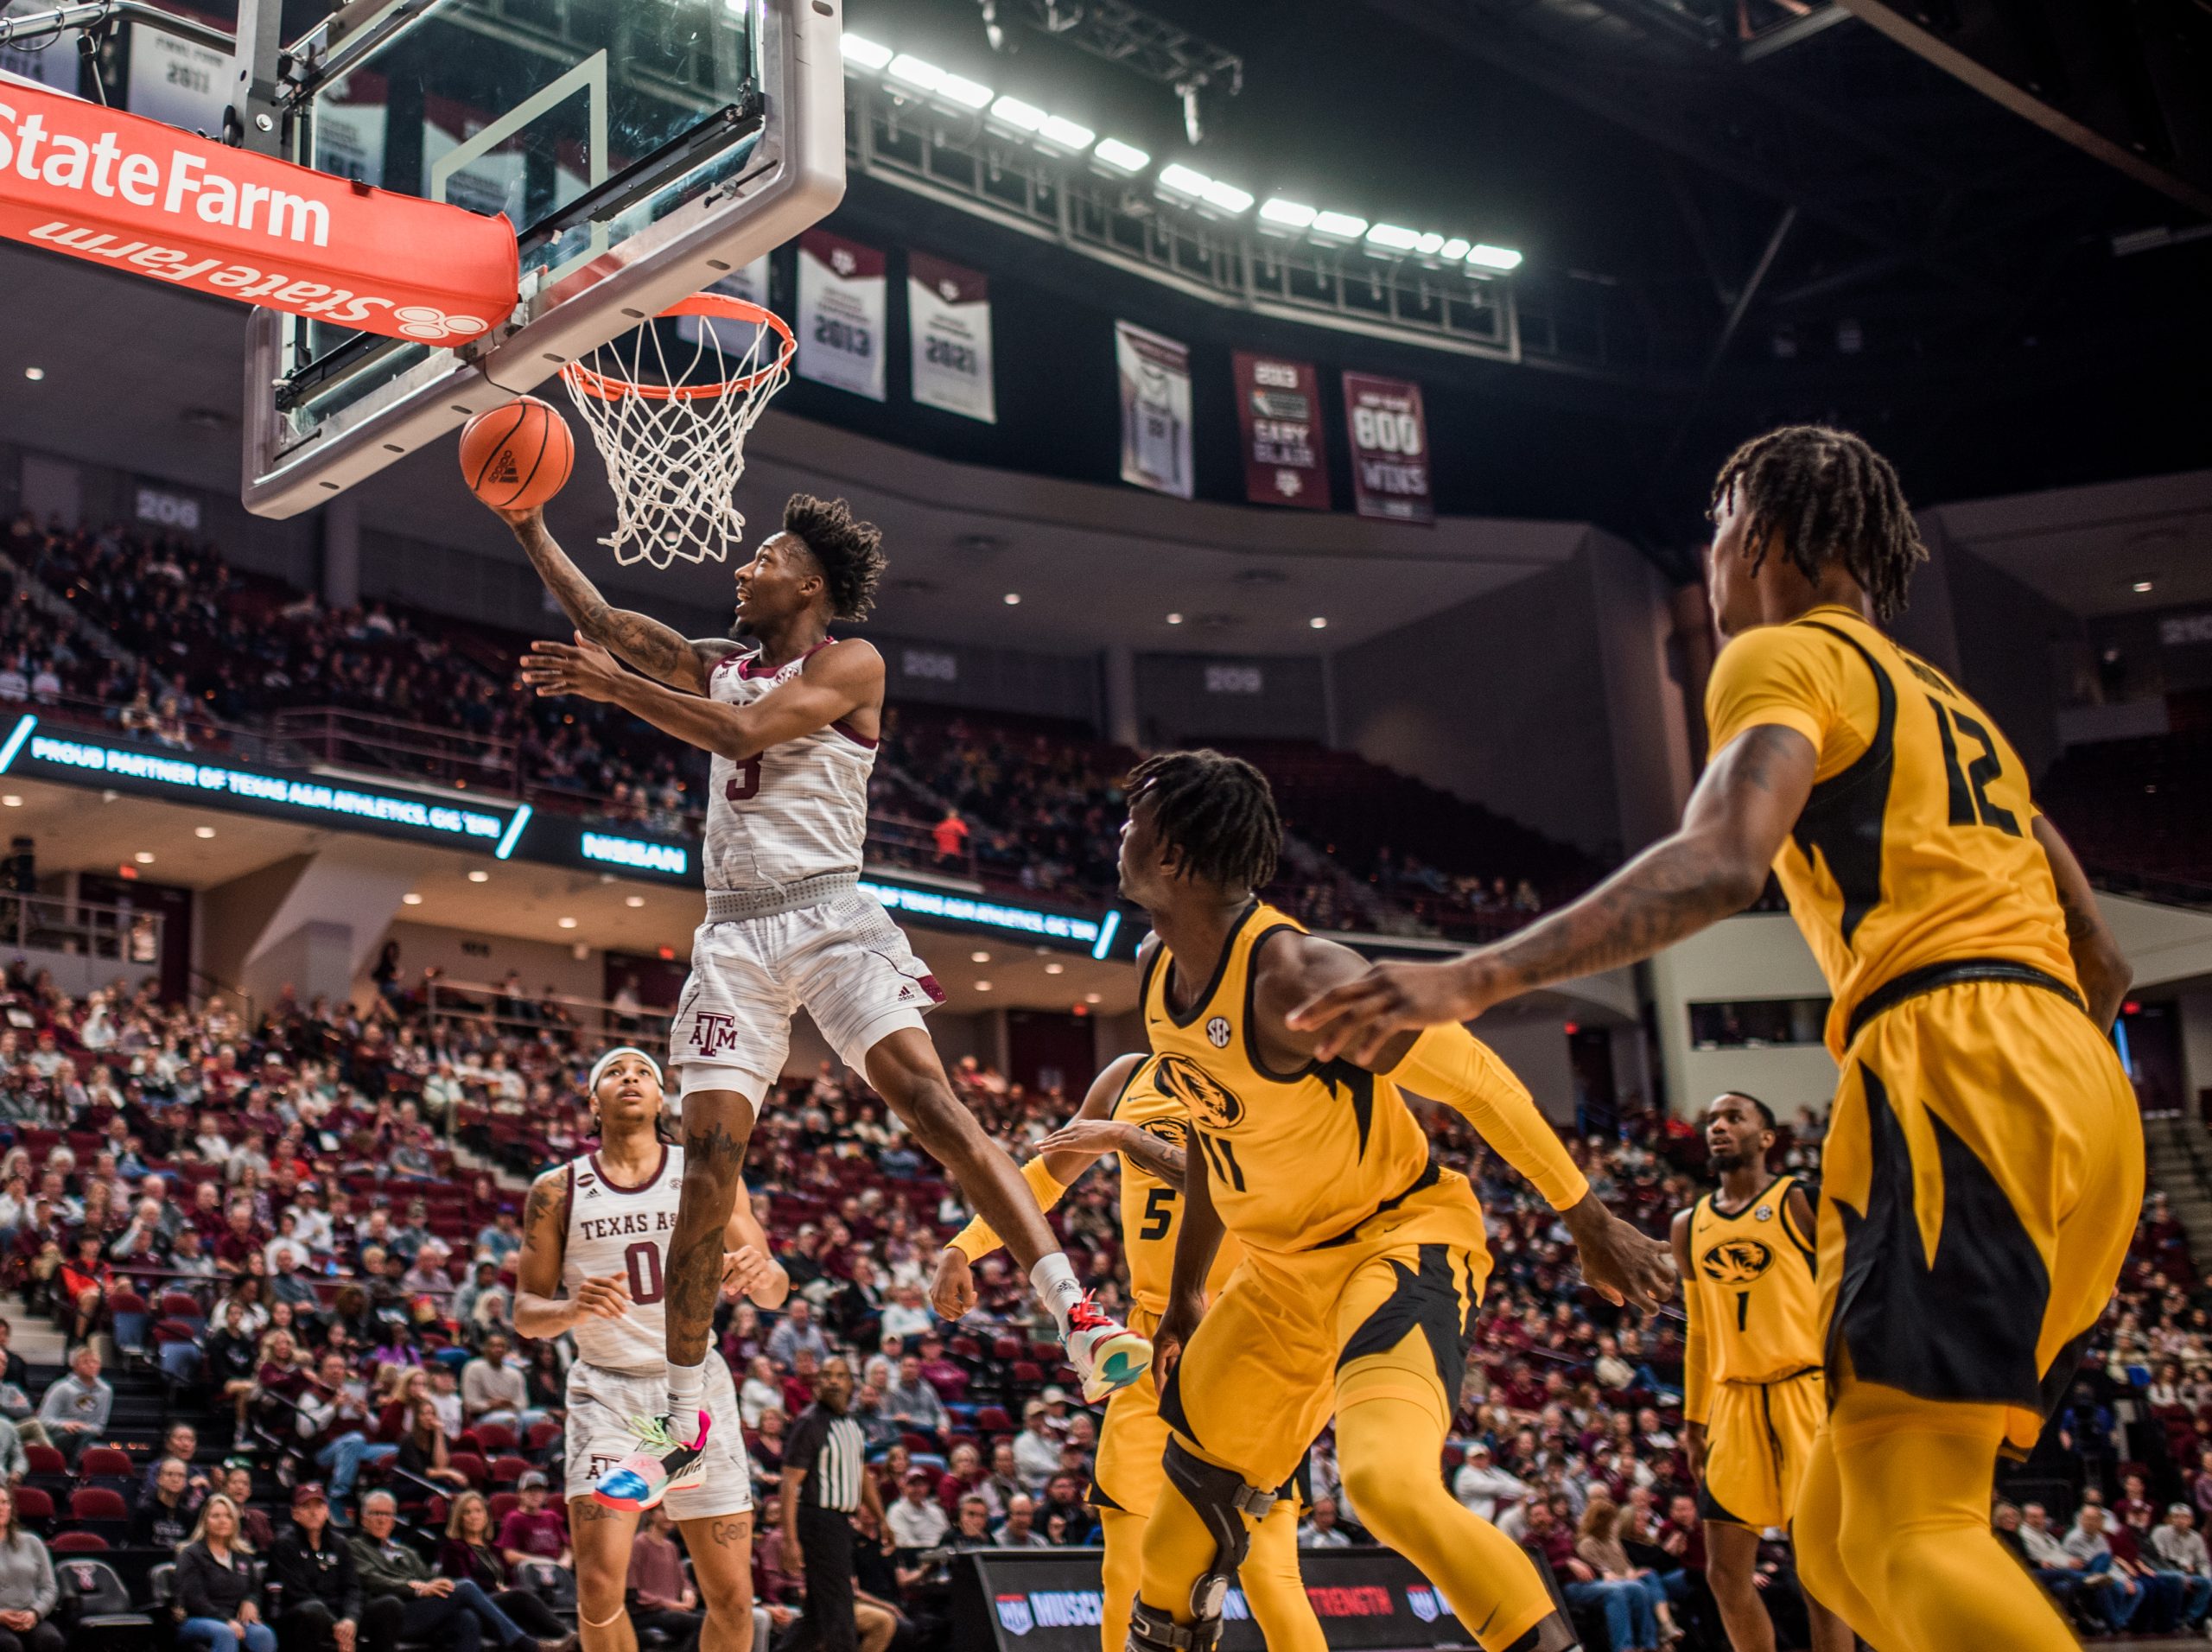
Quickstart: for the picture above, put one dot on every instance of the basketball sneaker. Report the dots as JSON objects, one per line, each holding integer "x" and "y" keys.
{"x": 1106, "y": 1355}
{"x": 659, "y": 1466}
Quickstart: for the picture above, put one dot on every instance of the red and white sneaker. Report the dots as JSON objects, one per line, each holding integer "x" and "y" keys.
{"x": 659, "y": 1465}
{"x": 1106, "y": 1355}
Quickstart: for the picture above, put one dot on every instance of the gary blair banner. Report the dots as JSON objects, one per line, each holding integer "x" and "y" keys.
{"x": 1278, "y": 410}
{"x": 1049, "y": 1600}
{"x": 841, "y": 306}
{"x": 1389, "y": 449}
{"x": 949, "y": 311}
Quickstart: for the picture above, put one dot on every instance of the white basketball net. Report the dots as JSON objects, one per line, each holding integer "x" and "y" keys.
{"x": 673, "y": 432}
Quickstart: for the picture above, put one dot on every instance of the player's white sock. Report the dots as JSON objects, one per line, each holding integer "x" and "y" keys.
{"x": 1055, "y": 1284}
{"x": 687, "y": 1398}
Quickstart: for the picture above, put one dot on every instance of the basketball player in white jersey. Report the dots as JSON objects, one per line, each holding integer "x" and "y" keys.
{"x": 594, "y": 1267}
{"x": 792, "y": 717}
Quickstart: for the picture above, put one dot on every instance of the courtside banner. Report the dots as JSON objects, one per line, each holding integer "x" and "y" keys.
{"x": 1389, "y": 449}
{"x": 147, "y": 198}
{"x": 841, "y": 297}
{"x": 1049, "y": 1600}
{"x": 1156, "y": 389}
{"x": 949, "y": 312}
{"x": 1278, "y": 410}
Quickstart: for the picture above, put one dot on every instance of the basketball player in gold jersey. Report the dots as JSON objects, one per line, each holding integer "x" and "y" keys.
{"x": 1754, "y": 1394}
{"x": 1984, "y": 1167}
{"x": 1128, "y": 1112}
{"x": 1363, "y": 1260}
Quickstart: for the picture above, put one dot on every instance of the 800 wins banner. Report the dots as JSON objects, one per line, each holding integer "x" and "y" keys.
{"x": 1389, "y": 449}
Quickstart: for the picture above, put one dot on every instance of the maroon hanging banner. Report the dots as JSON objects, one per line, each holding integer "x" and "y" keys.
{"x": 1279, "y": 408}
{"x": 1389, "y": 449}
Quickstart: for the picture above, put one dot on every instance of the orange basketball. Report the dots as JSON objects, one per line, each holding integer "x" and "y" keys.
{"x": 517, "y": 456}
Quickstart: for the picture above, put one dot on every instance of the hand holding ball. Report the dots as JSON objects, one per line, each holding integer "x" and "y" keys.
{"x": 516, "y": 457}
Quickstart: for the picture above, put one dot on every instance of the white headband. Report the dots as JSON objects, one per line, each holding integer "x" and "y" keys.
{"x": 599, "y": 1066}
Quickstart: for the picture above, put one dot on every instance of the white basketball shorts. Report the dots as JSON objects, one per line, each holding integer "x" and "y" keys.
{"x": 602, "y": 1403}
{"x": 843, "y": 961}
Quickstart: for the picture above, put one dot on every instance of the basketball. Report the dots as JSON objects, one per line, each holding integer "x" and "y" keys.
{"x": 517, "y": 456}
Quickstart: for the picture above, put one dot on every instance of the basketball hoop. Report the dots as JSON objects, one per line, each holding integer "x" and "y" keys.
{"x": 675, "y": 450}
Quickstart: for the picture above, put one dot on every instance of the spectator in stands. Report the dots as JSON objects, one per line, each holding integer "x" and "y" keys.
{"x": 665, "y": 1599}
{"x": 795, "y": 1334}
{"x": 1018, "y": 1528}
{"x": 28, "y": 1592}
{"x": 322, "y": 1592}
{"x": 404, "y": 1602}
{"x": 469, "y": 1554}
{"x": 2114, "y": 1596}
{"x": 2179, "y": 1548}
{"x": 1626, "y": 1608}
{"x": 1598, "y": 1545}
{"x": 1036, "y": 1450}
{"x": 14, "y": 1464}
{"x": 422, "y": 1446}
{"x": 1484, "y": 1487}
{"x": 74, "y": 1412}
{"x": 1320, "y": 1529}
{"x": 908, "y": 1314}
{"x": 916, "y": 1521}
{"x": 913, "y": 1403}
{"x": 163, "y": 1518}
{"x": 237, "y": 1480}
{"x": 531, "y": 1533}
{"x": 2164, "y": 1592}
{"x": 216, "y": 1587}
{"x": 951, "y": 837}
{"x": 1064, "y": 1499}
{"x": 493, "y": 1390}
{"x": 334, "y": 1421}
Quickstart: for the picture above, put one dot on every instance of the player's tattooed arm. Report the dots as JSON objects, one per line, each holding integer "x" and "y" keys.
{"x": 659, "y": 650}
{"x": 1197, "y": 1242}
{"x": 540, "y": 1310}
{"x": 1711, "y": 867}
{"x": 1094, "y": 1132}
{"x": 2099, "y": 964}
{"x": 749, "y": 1266}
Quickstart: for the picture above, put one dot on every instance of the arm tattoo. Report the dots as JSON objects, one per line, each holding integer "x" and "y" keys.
{"x": 1149, "y": 1152}
{"x": 652, "y": 647}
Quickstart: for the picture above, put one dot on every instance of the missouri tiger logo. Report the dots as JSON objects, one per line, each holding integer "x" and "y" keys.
{"x": 1736, "y": 1261}
{"x": 1172, "y": 1132}
{"x": 1204, "y": 1095}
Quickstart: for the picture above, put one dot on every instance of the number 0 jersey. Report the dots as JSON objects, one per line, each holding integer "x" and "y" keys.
{"x": 1294, "y": 1159}
{"x": 622, "y": 1232}
{"x": 1152, "y": 1209}
{"x": 1758, "y": 1308}
{"x": 1914, "y": 848}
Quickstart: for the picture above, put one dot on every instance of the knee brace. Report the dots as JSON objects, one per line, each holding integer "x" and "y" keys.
{"x": 1221, "y": 1499}
{"x": 1554, "y": 1634}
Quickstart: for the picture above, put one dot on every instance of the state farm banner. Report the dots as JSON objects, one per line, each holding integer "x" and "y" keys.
{"x": 949, "y": 312}
{"x": 841, "y": 308}
{"x": 1156, "y": 387}
{"x": 1278, "y": 409}
{"x": 1389, "y": 449}
{"x": 118, "y": 189}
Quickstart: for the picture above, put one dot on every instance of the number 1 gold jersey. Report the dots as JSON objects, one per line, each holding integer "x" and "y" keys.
{"x": 1152, "y": 1209}
{"x": 1758, "y": 1308}
{"x": 1914, "y": 848}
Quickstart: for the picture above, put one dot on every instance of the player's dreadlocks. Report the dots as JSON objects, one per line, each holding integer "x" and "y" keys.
{"x": 849, "y": 553}
{"x": 1828, "y": 497}
{"x": 1217, "y": 813}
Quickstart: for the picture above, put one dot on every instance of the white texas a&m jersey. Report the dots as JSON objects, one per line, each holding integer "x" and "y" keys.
{"x": 797, "y": 810}
{"x": 622, "y": 1232}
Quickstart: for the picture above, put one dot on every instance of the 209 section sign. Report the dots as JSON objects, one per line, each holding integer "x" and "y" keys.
{"x": 1389, "y": 449}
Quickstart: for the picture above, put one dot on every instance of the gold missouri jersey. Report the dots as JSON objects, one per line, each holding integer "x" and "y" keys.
{"x": 1915, "y": 847}
{"x": 1757, "y": 1309}
{"x": 1293, "y": 1158}
{"x": 1152, "y": 1211}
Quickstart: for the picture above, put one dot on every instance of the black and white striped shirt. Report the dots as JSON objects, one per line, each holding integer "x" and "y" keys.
{"x": 832, "y": 1450}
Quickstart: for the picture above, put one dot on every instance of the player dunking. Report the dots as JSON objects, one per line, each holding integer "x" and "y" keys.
{"x": 792, "y": 717}
{"x": 1127, "y": 1111}
{"x": 1754, "y": 1391}
{"x": 1984, "y": 1167}
{"x": 594, "y": 1265}
{"x": 1363, "y": 1259}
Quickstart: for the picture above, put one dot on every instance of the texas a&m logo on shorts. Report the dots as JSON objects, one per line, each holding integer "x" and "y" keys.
{"x": 712, "y": 1033}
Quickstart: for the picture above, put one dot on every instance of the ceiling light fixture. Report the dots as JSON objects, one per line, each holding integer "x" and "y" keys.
{"x": 968, "y": 94}
{"x": 1094, "y": 998}
{"x": 34, "y": 373}
{"x": 568, "y": 923}
{"x": 144, "y": 857}
{"x": 1319, "y": 622}
{"x": 864, "y": 53}
{"x": 410, "y": 898}
{"x": 2141, "y": 586}
{"x": 1013, "y": 599}
{"x": 1125, "y": 158}
{"x": 1500, "y": 259}
{"x": 1289, "y": 214}
{"x": 634, "y": 900}
{"x": 480, "y": 876}
{"x": 1056, "y": 969}
{"x": 1338, "y": 227}
{"x": 1062, "y": 133}
{"x": 979, "y": 957}
{"x": 13, "y": 800}
{"x": 918, "y": 72}
{"x": 982, "y": 986}
{"x": 203, "y": 831}
{"x": 1021, "y": 117}
{"x": 1174, "y": 619}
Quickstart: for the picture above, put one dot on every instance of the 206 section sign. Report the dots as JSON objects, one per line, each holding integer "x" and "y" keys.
{"x": 161, "y": 203}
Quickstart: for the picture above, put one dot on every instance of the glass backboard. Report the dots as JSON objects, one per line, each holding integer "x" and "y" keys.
{"x": 643, "y": 148}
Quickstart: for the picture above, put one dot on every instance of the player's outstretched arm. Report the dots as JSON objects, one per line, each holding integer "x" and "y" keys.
{"x": 1697, "y": 1371}
{"x": 541, "y": 1312}
{"x": 1197, "y": 1241}
{"x": 749, "y": 1268}
{"x": 2099, "y": 964}
{"x": 834, "y": 682}
{"x": 1712, "y": 865}
{"x": 657, "y": 650}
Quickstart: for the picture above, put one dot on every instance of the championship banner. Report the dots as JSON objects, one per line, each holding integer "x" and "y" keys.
{"x": 949, "y": 312}
{"x": 1155, "y": 385}
{"x": 177, "y": 82}
{"x": 145, "y": 198}
{"x": 1389, "y": 449}
{"x": 841, "y": 306}
{"x": 1278, "y": 409}
{"x": 50, "y": 58}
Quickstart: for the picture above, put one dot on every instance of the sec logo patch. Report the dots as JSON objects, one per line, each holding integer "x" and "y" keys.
{"x": 1764, "y": 1213}
{"x": 1217, "y": 1032}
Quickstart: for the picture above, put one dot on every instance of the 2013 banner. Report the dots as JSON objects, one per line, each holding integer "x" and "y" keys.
{"x": 1389, "y": 449}
{"x": 1278, "y": 410}
{"x": 1155, "y": 389}
{"x": 842, "y": 293}
{"x": 949, "y": 312}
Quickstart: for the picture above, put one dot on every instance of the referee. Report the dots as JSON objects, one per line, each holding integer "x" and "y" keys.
{"x": 825, "y": 1484}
